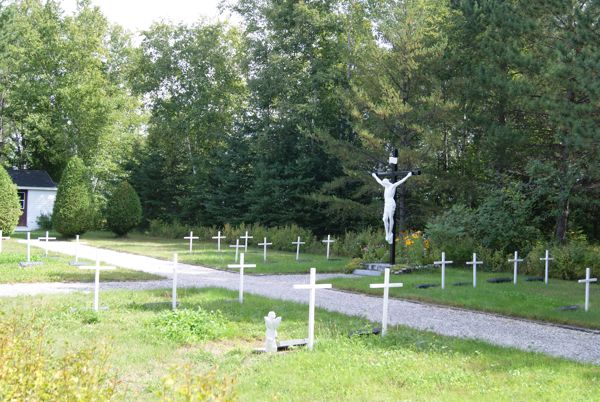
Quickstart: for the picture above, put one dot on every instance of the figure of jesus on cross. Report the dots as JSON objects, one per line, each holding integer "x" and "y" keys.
{"x": 389, "y": 208}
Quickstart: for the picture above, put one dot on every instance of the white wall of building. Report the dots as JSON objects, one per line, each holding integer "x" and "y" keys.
{"x": 40, "y": 201}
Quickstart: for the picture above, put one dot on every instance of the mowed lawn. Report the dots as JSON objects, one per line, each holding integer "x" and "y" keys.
{"x": 205, "y": 253}
{"x": 532, "y": 300}
{"x": 55, "y": 267}
{"x": 154, "y": 353}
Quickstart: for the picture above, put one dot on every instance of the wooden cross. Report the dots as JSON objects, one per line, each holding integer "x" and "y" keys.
{"x": 474, "y": 264}
{"x": 587, "y": 281}
{"x": 174, "y": 293}
{"x": 265, "y": 244}
{"x": 298, "y": 243}
{"x": 547, "y": 260}
{"x": 219, "y": 237}
{"x": 97, "y": 268}
{"x": 237, "y": 248}
{"x": 328, "y": 242}
{"x": 443, "y": 263}
{"x": 386, "y": 285}
{"x": 516, "y": 262}
{"x": 241, "y": 267}
{"x": 1, "y": 239}
{"x": 246, "y": 237}
{"x": 46, "y": 238}
{"x": 312, "y": 287}
{"x": 191, "y": 238}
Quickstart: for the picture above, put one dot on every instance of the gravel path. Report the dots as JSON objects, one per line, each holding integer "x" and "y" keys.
{"x": 553, "y": 340}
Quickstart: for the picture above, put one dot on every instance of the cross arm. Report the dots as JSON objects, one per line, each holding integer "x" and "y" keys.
{"x": 399, "y": 173}
{"x": 383, "y": 285}
{"x": 588, "y": 280}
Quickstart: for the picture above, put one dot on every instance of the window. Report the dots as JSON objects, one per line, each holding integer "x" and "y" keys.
{"x": 22, "y": 199}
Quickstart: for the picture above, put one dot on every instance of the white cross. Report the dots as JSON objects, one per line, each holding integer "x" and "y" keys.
{"x": 174, "y": 293}
{"x": 328, "y": 242}
{"x": 443, "y": 263}
{"x": 587, "y": 281}
{"x": 312, "y": 286}
{"x": 2, "y": 238}
{"x": 246, "y": 237}
{"x": 46, "y": 238}
{"x": 265, "y": 244}
{"x": 474, "y": 264}
{"x": 97, "y": 268}
{"x": 241, "y": 267}
{"x": 191, "y": 238}
{"x": 298, "y": 243}
{"x": 28, "y": 247}
{"x": 547, "y": 260}
{"x": 77, "y": 247}
{"x": 237, "y": 247}
{"x": 219, "y": 237}
{"x": 386, "y": 285}
{"x": 516, "y": 261}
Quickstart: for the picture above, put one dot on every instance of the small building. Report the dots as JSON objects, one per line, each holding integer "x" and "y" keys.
{"x": 37, "y": 193}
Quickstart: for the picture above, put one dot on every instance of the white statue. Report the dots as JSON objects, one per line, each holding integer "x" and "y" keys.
{"x": 272, "y": 322}
{"x": 390, "y": 204}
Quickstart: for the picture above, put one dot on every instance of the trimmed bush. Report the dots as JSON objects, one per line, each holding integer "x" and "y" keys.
{"x": 74, "y": 206}
{"x": 10, "y": 207}
{"x": 124, "y": 210}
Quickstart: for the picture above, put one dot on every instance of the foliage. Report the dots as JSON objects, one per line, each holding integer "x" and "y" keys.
{"x": 452, "y": 233}
{"x": 190, "y": 326}
{"x": 10, "y": 207}
{"x": 124, "y": 210}
{"x": 74, "y": 209}
{"x": 569, "y": 260}
{"x": 181, "y": 384}
{"x": 44, "y": 222}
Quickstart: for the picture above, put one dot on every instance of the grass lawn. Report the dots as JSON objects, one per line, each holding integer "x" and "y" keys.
{"x": 55, "y": 267}
{"x": 533, "y": 300}
{"x": 205, "y": 254}
{"x": 154, "y": 353}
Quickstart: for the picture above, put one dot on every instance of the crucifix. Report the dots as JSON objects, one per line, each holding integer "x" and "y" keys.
{"x": 265, "y": 244}
{"x": 474, "y": 264}
{"x": 298, "y": 243}
{"x": 241, "y": 267}
{"x": 219, "y": 237}
{"x": 237, "y": 247}
{"x": 46, "y": 238}
{"x": 389, "y": 210}
{"x": 386, "y": 285}
{"x": 328, "y": 242}
{"x": 174, "y": 292}
{"x": 312, "y": 287}
{"x": 191, "y": 238}
{"x": 1, "y": 239}
{"x": 516, "y": 262}
{"x": 97, "y": 268}
{"x": 547, "y": 260}
{"x": 246, "y": 237}
{"x": 587, "y": 282}
{"x": 443, "y": 263}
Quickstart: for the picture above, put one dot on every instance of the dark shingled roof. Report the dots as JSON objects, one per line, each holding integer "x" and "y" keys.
{"x": 31, "y": 178}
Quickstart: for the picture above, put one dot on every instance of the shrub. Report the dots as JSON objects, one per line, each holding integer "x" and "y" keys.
{"x": 74, "y": 207}
{"x": 190, "y": 326}
{"x": 123, "y": 210}
{"x": 173, "y": 230}
{"x": 368, "y": 244}
{"x": 44, "y": 221}
{"x": 451, "y": 233}
{"x": 10, "y": 207}
{"x": 569, "y": 261}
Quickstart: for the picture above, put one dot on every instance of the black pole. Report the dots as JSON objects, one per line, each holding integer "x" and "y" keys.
{"x": 393, "y": 245}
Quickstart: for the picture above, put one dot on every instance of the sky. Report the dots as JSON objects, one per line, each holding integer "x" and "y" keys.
{"x": 136, "y": 15}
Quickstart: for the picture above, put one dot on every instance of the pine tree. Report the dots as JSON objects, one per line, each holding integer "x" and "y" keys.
{"x": 124, "y": 210}
{"x": 10, "y": 208}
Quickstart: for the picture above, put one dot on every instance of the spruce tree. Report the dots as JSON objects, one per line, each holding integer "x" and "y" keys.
{"x": 124, "y": 210}
{"x": 74, "y": 207}
{"x": 10, "y": 208}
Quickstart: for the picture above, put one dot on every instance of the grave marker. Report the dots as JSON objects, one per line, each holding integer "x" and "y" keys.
{"x": 312, "y": 287}
{"x": 174, "y": 293}
{"x": 1, "y": 239}
{"x": 587, "y": 282}
{"x": 547, "y": 260}
{"x": 443, "y": 263}
{"x": 46, "y": 239}
{"x": 191, "y": 238}
{"x": 237, "y": 248}
{"x": 29, "y": 263}
{"x": 265, "y": 244}
{"x": 516, "y": 261}
{"x": 474, "y": 264}
{"x": 241, "y": 266}
{"x": 219, "y": 237}
{"x": 77, "y": 244}
{"x": 328, "y": 242}
{"x": 246, "y": 237}
{"x": 298, "y": 243}
{"x": 386, "y": 285}
{"x": 97, "y": 268}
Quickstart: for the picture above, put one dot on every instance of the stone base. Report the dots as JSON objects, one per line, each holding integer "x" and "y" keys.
{"x": 365, "y": 332}
{"x": 568, "y": 308}
{"x": 30, "y": 264}
{"x": 376, "y": 266}
{"x": 285, "y": 345}
{"x": 366, "y": 272}
{"x": 535, "y": 279}
{"x": 500, "y": 280}
{"x": 426, "y": 286}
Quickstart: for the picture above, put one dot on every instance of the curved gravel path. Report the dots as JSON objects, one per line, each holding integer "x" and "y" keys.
{"x": 526, "y": 335}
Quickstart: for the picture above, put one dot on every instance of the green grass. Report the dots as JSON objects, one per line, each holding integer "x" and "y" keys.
{"x": 406, "y": 365}
{"x": 532, "y": 300}
{"x": 55, "y": 267}
{"x": 206, "y": 254}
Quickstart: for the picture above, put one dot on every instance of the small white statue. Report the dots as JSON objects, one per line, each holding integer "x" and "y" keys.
{"x": 390, "y": 204}
{"x": 272, "y": 322}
